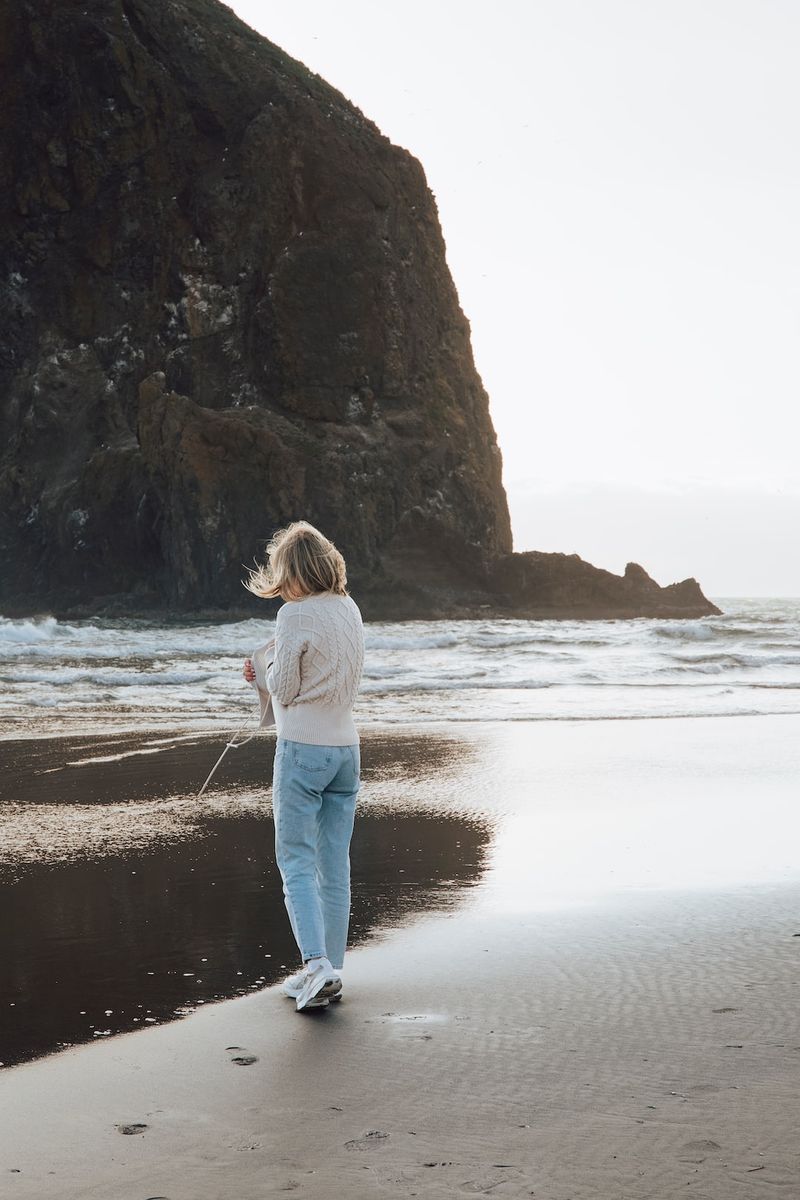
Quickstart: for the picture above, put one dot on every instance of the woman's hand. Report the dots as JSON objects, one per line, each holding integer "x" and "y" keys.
{"x": 249, "y": 670}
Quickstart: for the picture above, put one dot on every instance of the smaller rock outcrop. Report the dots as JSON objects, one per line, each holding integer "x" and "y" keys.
{"x": 565, "y": 585}
{"x": 532, "y": 584}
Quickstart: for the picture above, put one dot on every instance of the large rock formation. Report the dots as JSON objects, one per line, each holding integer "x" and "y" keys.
{"x": 226, "y": 305}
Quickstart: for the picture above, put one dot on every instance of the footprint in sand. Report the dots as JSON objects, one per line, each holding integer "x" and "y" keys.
{"x": 373, "y": 1137}
{"x": 242, "y": 1060}
{"x": 493, "y": 1181}
{"x": 698, "y": 1150}
{"x": 136, "y": 1127}
{"x": 488, "y": 1179}
{"x": 701, "y": 1089}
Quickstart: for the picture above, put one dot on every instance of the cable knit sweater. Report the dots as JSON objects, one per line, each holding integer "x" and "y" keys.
{"x": 316, "y": 671}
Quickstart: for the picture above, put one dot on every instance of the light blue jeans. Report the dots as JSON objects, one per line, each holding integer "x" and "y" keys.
{"x": 314, "y": 790}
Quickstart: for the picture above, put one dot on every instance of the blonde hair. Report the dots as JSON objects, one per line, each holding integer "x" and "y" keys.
{"x": 300, "y": 562}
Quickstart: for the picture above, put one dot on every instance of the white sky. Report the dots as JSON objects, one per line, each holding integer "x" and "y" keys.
{"x": 618, "y": 183}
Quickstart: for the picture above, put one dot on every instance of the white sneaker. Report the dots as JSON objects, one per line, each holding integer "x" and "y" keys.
{"x": 293, "y": 985}
{"x": 320, "y": 982}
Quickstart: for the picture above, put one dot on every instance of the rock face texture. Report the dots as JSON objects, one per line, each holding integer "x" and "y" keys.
{"x": 225, "y": 305}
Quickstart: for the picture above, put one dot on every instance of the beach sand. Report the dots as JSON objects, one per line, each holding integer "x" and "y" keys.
{"x": 611, "y": 1012}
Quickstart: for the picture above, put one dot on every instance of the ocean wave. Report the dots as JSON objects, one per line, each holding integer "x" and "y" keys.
{"x": 530, "y": 640}
{"x": 383, "y": 670}
{"x": 730, "y": 658}
{"x": 712, "y": 628}
{"x": 739, "y": 631}
{"x": 423, "y": 641}
{"x": 49, "y": 638}
{"x": 684, "y": 631}
{"x": 112, "y": 678}
{"x": 33, "y": 629}
{"x": 448, "y": 685}
{"x": 600, "y": 681}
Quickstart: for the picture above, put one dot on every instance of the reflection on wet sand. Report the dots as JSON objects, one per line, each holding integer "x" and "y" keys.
{"x": 128, "y": 903}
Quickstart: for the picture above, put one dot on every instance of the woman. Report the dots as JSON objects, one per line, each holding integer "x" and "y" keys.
{"x": 313, "y": 680}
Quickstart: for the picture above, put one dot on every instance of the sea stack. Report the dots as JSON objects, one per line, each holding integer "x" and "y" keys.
{"x": 225, "y": 306}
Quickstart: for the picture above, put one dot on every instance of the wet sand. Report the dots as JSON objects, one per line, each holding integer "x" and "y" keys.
{"x": 609, "y": 1011}
{"x": 127, "y": 902}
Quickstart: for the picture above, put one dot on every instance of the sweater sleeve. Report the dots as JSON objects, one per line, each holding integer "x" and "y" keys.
{"x": 283, "y": 678}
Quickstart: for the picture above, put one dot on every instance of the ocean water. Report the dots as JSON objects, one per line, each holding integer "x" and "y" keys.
{"x": 59, "y": 676}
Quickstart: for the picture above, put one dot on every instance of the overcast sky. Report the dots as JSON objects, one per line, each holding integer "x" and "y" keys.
{"x": 618, "y": 183}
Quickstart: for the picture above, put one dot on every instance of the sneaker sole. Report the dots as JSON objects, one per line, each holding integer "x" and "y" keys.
{"x": 293, "y": 993}
{"x": 315, "y": 1002}
{"x": 329, "y": 988}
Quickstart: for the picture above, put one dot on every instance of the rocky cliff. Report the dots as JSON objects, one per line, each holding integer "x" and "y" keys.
{"x": 226, "y": 305}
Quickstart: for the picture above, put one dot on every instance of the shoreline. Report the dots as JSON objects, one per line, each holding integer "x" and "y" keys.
{"x": 175, "y": 731}
{"x": 451, "y": 610}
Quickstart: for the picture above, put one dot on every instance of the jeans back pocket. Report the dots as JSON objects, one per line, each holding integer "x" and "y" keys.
{"x": 311, "y": 758}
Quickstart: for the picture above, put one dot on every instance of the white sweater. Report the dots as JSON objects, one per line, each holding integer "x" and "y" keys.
{"x": 316, "y": 671}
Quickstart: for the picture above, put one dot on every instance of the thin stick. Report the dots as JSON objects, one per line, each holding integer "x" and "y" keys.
{"x": 231, "y": 744}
